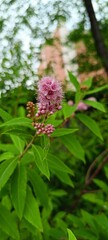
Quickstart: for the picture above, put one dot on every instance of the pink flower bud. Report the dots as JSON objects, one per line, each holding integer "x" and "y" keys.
{"x": 82, "y": 106}
{"x": 70, "y": 103}
{"x": 91, "y": 99}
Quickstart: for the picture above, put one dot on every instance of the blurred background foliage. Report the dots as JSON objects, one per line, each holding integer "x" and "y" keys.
{"x": 25, "y": 27}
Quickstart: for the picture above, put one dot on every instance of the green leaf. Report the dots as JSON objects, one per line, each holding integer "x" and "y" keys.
{"x": 60, "y": 169}
{"x": 101, "y": 221}
{"x": 4, "y": 115}
{"x": 8, "y": 148}
{"x": 6, "y": 155}
{"x": 18, "y": 142}
{"x": 6, "y": 201}
{"x": 68, "y": 110}
{"x": 74, "y": 81}
{"x": 93, "y": 198}
{"x": 55, "y": 163}
{"x": 99, "y": 89}
{"x": 21, "y": 111}
{"x": 95, "y": 104}
{"x": 73, "y": 219}
{"x": 3, "y": 235}
{"x": 18, "y": 189}
{"x": 78, "y": 97}
{"x": 62, "y": 131}
{"x": 71, "y": 236}
{"x": 87, "y": 82}
{"x": 101, "y": 184}
{"x": 29, "y": 228}
{"x": 28, "y": 158}
{"x": 19, "y": 131}
{"x": 64, "y": 177}
{"x": 41, "y": 160}
{"x": 31, "y": 212}
{"x": 74, "y": 146}
{"x": 90, "y": 123}
{"x": 59, "y": 193}
{"x": 84, "y": 234}
{"x": 88, "y": 219}
{"x": 52, "y": 120}
{"x": 6, "y": 170}
{"x": 8, "y": 224}
{"x": 45, "y": 144}
{"x": 39, "y": 187}
{"x": 25, "y": 122}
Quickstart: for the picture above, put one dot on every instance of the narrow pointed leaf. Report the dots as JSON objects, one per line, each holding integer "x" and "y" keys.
{"x": 4, "y": 115}
{"x": 18, "y": 189}
{"x": 55, "y": 163}
{"x": 101, "y": 184}
{"x": 6, "y": 156}
{"x": 8, "y": 224}
{"x": 74, "y": 146}
{"x": 91, "y": 124}
{"x": 6, "y": 170}
{"x": 99, "y": 89}
{"x": 31, "y": 212}
{"x": 39, "y": 187}
{"x": 3, "y": 235}
{"x": 64, "y": 177}
{"x": 8, "y": 148}
{"x": 25, "y": 122}
{"x": 62, "y": 131}
{"x": 18, "y": 142}
{"x": 74, "y": 81}
{"x": 41, "y": 160}
{"x": 71, "y": 236}
{"x": 95, "y": 104}
{"x": 87, "y": 82}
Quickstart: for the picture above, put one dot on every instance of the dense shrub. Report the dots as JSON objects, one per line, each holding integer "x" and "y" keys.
{"x": 50, "y": 184}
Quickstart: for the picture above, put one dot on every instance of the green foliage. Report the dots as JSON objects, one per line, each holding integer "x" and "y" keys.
{"x": 31, "y": 211}
{"x": 8, "y": 223}
{"x": 70, "y": 235}
{"x": 18, "y": 189}
{"x": 45, "y": 182}
{"x": 6, "y": 170}
{"x": 41, "y": 160}
{"x": 90, "y": 123}
{"x": 74, "y": 81}
{"x": 73, "y": 146}
{"x": 95, "y": 104}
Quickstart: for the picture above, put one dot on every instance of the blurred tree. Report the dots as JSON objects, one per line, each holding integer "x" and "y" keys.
{"x": 25, "y": 27}
{"x": 98, "y": 39}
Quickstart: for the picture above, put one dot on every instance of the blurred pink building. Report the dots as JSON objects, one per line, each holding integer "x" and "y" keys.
{"x": 57, "y": 58}
{"x": 52, "y": 59}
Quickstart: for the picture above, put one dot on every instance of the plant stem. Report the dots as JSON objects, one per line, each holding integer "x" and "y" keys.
{"x": 88, "y": 178}
{"x": 27, "y": 147}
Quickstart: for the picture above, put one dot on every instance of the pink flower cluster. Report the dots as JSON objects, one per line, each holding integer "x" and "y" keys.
{"x": 49, "y": 101}
{"x": 49, "y": 96}
{"x": 42, "y": 128}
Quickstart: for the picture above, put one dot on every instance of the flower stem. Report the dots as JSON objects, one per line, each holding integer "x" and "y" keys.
{"x": 27, "y": 147}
